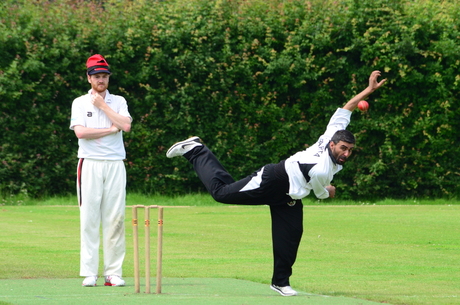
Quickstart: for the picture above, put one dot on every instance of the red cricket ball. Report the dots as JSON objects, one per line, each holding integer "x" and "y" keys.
{"x": 363, "y": 105}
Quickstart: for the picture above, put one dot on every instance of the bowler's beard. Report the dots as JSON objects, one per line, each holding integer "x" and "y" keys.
{"x": 336, "y": 158}
{"x": 341, "y": 160}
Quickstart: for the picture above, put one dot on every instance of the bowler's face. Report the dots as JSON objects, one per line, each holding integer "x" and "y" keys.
{"x": 99, "y": 82}
{"x": 341, "y": 151}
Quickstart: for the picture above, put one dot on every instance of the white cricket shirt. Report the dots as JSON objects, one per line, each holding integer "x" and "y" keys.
{"x": 316, "y": 157}
{"x": 84, "y": 113}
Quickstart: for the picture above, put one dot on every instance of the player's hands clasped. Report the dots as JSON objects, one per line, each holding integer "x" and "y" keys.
{"x": 114, "y": 129}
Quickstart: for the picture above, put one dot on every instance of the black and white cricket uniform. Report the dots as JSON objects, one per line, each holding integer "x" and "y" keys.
{"x": 280, "y": 186}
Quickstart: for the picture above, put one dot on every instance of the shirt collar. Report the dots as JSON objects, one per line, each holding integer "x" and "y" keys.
{"x": 328, "y": 146}
{"x": 108, "y": 96}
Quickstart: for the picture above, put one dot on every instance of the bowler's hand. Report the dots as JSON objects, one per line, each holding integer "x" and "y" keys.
{"x": 374, "y": 84}
{"x": 331, "y": 190}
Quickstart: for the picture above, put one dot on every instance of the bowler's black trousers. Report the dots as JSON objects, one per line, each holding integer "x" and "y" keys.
{"x": 286, "y": 213}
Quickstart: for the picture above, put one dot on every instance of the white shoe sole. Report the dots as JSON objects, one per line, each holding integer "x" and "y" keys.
{"x": 89, "y": 284}
{"x": 185, "y": 142}
{"x": 274, "y": 288}
{"x": 114, "y": 285}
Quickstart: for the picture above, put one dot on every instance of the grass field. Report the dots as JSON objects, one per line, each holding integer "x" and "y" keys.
{"x": 397, "y": 254}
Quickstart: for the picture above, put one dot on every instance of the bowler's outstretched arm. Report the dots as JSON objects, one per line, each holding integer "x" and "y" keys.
{"x": 374, "y": 84}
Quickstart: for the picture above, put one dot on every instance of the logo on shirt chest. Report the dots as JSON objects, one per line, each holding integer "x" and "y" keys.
{"x": 319, "y": 153}
{"x": 89, "y": 114}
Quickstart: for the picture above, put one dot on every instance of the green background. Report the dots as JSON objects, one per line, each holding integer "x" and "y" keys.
{"x": 256, "y": 80}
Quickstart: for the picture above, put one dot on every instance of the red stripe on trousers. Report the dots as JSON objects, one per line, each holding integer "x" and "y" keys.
{"x": 79, "y": 168}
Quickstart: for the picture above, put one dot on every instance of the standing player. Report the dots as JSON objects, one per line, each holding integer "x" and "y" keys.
{"x": 97, "y": 120}
{"x": 282, "y": 185}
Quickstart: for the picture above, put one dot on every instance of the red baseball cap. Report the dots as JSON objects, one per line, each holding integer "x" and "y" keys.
{"x": 97, "y": 64}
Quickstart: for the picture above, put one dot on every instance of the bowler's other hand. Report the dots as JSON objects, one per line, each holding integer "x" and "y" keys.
{"x": 331, "y": 190}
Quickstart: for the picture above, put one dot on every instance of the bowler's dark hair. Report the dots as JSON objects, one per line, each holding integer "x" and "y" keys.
{"x": 343, "y": 135}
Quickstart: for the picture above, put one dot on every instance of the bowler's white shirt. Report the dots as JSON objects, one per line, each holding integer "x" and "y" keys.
{"x": 84, "y": 113}
{"x": 323, "y": 169}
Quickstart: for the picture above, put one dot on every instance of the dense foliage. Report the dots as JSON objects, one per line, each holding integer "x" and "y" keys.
{"x": 256, "y": 80}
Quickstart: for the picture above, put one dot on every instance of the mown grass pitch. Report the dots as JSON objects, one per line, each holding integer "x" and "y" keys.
{"x": 399, "y": 254}
{"x": 194, "y": 291}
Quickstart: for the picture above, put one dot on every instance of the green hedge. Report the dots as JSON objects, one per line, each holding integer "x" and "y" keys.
{"x": 256, "y": 80}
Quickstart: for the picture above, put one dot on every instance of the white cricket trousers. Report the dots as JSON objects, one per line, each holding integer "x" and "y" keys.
{"x": 101, "y": 189}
